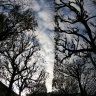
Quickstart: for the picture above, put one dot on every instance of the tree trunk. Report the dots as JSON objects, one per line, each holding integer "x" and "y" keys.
{"x": 10, "y": 85}
{"x": 81, "y": 89}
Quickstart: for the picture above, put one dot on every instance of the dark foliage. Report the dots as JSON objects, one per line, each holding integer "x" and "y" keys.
{"x": 75, "y": 38}
{"x": 77, "y": 35}
{"x": 15, "y": 21}
{"x": 15, "y": 57}
{"x": 3, "y": 90}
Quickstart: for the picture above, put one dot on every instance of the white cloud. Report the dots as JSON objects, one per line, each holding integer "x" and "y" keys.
{"x": 46, "y": 40}
{"x": 35, "y": 5}
{"x": 47, "y": 19}
{"x": 44, "y": 15}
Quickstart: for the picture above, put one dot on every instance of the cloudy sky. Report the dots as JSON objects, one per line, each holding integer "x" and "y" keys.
{"x": 45, "y": 35}
{"x": 43, "y": 10}
{"x": 44, "y": 14}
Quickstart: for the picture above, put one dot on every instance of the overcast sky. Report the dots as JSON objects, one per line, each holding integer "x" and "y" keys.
{"x": 44, "y": 14}
{"x": 43, "y": 10}
{"x": 45, "y": 35}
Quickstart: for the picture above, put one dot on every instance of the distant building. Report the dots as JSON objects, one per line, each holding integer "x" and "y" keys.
{"x": 4, "y": 89}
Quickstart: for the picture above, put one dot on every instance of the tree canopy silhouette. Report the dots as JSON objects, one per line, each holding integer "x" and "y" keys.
{"x": 15, "y": 21}
{"x": 75, "y": 30}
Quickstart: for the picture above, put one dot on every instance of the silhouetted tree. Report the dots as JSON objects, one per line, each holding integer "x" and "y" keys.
{"x": 39, "y": 86}
{"x": 27, "y": 80}
{"x": 75, "y": 36}
{"x": 15, "y": 21}
{"x": 17, "y": 57}
{"x": 66, "y": 86}
{"x": 76, "y": 29}
{"x": 82, "y": 73}
{"x": 76, "y": 70}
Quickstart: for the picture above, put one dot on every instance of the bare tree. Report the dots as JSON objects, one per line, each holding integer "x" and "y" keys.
{"x": 76, "y": 70}
{"x": 15, "y": 20}
{"x": 25, "y": 78}
{"x": 67, "y": 85}
{"x": 17, "y": 57}
{"x": 38, "y": 86}
{"x": 28, "y": 82}
{"x": 83, "y": 74}
{"x": 76, "y": 29}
